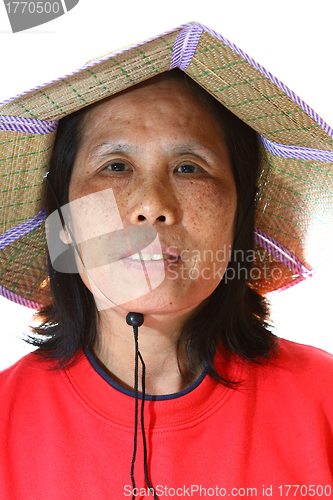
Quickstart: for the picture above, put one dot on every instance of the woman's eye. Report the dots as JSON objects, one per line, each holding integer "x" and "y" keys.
{"x": 187, "y": 169}
{"x": 117, "y": 167}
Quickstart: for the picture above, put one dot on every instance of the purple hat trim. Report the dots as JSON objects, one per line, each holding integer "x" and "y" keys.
{"x": 28, "y": 125}
{"x": 17, "y": 232}
{"x": 19, "y": 300}
{"x": 9, "y": 237}
{"x": 279, "y": 252}
{"x": 185, "y": 45}
{"x": 298, "y": 152}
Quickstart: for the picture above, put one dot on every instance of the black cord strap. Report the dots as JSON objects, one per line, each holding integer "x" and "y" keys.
{"x": 135, "y": 330}
{"x": 136, "y": 392}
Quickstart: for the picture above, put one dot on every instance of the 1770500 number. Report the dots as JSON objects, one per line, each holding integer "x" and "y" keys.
{"x": 304, "y": 490}
{"x": 32, "y": 7}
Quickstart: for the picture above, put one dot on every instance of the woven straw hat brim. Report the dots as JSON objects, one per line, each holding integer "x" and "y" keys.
{"x": 294, "y": 207}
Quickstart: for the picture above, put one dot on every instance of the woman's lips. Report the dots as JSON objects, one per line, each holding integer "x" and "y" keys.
{"x": 148, "y": 257}
{"x": 151, "y": 263}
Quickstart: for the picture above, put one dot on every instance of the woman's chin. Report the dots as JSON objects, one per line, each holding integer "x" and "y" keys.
{"x": 154, "y": 305}
{"x": 169, "y": 298}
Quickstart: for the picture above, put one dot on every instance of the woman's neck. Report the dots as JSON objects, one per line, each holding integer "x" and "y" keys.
{"x": 166, "y": 371}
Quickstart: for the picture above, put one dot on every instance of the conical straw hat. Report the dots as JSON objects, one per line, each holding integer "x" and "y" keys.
{"x": 294, "y": 218}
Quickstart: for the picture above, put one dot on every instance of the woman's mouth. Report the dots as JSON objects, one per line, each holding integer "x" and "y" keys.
{"x": 155, "y": 264}
{"x": 148, "y": 256}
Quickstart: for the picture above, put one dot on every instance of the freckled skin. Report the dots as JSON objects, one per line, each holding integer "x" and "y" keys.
{"x": 199, "y": 207}
{"x": 178, "y": 179}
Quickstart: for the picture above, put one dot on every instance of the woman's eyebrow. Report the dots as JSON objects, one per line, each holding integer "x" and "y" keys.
{"x": 196, "y": 148}
{"x": 192, "y": 147}
{"x": 109, "y": 148}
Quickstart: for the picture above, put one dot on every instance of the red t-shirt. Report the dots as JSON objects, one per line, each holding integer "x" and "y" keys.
{"x": 68, "y": 434}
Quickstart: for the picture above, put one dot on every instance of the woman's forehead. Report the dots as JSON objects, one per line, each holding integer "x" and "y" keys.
{"x": 162, "y": 102}
{"x": 162, "y": 88}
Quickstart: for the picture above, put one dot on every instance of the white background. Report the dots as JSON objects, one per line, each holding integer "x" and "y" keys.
{"x": 292, "y": 39}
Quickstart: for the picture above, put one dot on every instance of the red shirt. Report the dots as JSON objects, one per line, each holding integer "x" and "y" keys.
{"x": 68, "y": 434}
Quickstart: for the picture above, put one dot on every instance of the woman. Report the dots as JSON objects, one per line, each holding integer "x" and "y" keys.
{"x": 230, "y": 410}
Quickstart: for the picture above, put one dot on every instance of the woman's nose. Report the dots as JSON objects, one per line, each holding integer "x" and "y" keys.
{"x": 155, "y": 202}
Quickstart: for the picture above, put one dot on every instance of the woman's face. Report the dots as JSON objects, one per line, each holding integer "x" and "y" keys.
{"x": 160, "y": 154}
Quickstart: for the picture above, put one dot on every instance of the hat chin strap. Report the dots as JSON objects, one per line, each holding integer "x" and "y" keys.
{"x": 136, "y": 319}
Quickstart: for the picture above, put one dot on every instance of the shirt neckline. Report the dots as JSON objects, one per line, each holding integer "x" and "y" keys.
{"x": 130, "y": 392}
{"x": 180, "y": 410}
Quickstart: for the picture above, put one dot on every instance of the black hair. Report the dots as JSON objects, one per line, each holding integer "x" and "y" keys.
{"x": 234, "y": 317}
